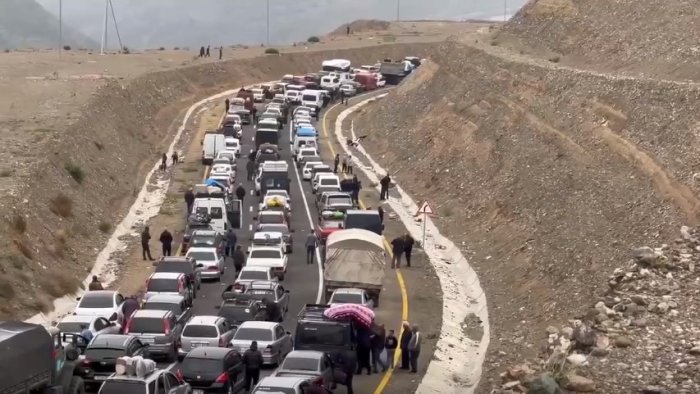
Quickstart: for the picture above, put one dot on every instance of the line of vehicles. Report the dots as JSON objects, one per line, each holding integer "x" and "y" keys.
{"x": 82, "y": 352}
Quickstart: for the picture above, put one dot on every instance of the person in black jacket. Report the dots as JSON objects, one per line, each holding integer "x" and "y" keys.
{"x": 167, "y": 240}
{"x": 145, "y": 248}
{"x": 405, "y": 340}
{"x": 408, "y": 242}
{"x": 95, "y": 284}
{"x": 380, "y": 211}
{"x": 397, "y": 248}
{"x": 253, "y": 361}
{"x": 238, "y": 258}
{"x": 391, "y": 344}
{"x": 189, "y": 200}
{"x": 250, "y": 170}
{"x": 240, "y": 193}
{"x": 384, "y": 182}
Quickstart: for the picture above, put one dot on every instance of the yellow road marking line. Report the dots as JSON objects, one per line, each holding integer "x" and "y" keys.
{"x": 399, "y": 277}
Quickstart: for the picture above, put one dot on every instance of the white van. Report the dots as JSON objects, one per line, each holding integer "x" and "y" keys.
{"x": 304, "y": 142}
{"x": 330, "y": 82}
{"x": 211, "y": 146}
{"x": 312, "y": 99}
{"x": 216, "y": 209}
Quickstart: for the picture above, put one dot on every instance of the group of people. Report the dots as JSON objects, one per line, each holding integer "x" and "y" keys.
{"x": 166, "y": 240}
{"x": 205, "y": 52}
{"x": 345, "y": 163}
{"x": 164, "y": 160}
{"x": 402, "y": 246}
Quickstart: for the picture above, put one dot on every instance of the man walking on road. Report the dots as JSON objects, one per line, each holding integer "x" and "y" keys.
{"x": 145, "y": 248}
{"x": 397, "y": 248}
{"x": 377, "y": 344}
{"x": 349, "y": 169}
{"x": 238, "y": 258}
{"x": 167, "y": 240}
{"x": 408, "y": 242}
{"x": 384, "y": 182}
{"x": 253, "y": 361}
{"x": 231, "y": 240}
{"x": 189, "y": 200}
{"x": 240, "y": 193}
{"x": 311, "y": 242}
{"x": 221, "y": 52}
{"x": 227, "y": 103}
{"x": 342, "y": 97}
{"x": 336, "y": 161}
{"x": 405, "y": 340}
{"x": 175, "y": 157}
{"x": 250, "y": 169}
{"x": 208, "y": 53}
{"x": 356, "y": 187}
{"x": 164, "y": 162}
{"x": 414, "y": 348}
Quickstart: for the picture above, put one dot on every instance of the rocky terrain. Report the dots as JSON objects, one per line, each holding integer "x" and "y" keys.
{"x": 549, "y": 175}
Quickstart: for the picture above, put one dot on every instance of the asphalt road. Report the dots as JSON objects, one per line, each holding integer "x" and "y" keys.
{"x": 302, "y": 280}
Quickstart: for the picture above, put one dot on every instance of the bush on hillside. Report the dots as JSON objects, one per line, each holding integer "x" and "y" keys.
{"x": 66, "y": 48}
{"x": 272, "y": 51}
{"x": 313, "y": 39}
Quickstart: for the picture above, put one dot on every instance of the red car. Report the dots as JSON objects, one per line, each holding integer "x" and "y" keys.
{"x": 328, "y": 222}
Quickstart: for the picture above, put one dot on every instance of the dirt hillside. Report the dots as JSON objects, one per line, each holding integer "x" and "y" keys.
{"x": 549, "y": 177}
{"x": 653, "y": 37}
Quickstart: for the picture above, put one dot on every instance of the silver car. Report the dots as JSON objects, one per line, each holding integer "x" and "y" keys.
{"x": 279, "y": 384}
{"x": 209, "y": 331}
{"x": 351, "y": 296}
{"x": 211, "y": 260}
{"x": 159, "y": 329}
{"x": 307, "y": 363}
{"x": 273, "y": 341}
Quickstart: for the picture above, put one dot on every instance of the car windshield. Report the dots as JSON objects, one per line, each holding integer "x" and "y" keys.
{"x": 114, "y": 386}
{"x": 253, "y": 275}
{"x": 200, "y": 331}
{"x": 163, "y": 306}
{"x": 300, "y": 364}
{"x": 235, "y": 313}
{"x": 202, "y": 256}
{"x": 204, "y": 240}
{"x": 253, "y": 334}
{"x": 308, "y": 152}
{"x": 146, "y": 325}
{"x": 72, "y": 327}
{"x": 162, "y": 285}
{"x": 346, "y": 298}
{"x": 201, "y": 365}
{"x": 174, "y": 266}
{"x": 96, "y": 301}
{"x": 273, "y": 219}
{"x": 329, "y": 334}
{"x": 100, "y": 353}
{"x": 265, "y": 254}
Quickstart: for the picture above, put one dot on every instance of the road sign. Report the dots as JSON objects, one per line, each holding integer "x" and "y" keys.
{"x": 425, "y": 209}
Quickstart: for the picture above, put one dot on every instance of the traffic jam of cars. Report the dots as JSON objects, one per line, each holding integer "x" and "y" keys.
{"x": 268, "y": 147}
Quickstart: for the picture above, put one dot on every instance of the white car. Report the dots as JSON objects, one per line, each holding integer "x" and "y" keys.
{"x": 102, "y": 303}
{"x": 205, "y": 331}
{"x": 258, "y": 95}
{"x": 281, "y": 193}
{"x": 306, "y": 152}
{"x": 229, "y": 155}
{"x": 273, "y": 341}
{"x": 292, "y": 96}
{"x": 302, "y": 108}
{"x": 227, "y": 169}
{"x": 324, "y": 179}
{"x": 172, "y": 283}
{"x": 212, "y": 262}
{"x": 268, "y": 256}
{"x": 253, "y": 274}
{"x": 351, "y": 296}
{"x": 308, "y": 166}
{"x": 233, "y": 145}
{"x": 268, "y": 238}
{"x": 73, "y": 324}
{"x": 348, "y": 90}
{"x": 281, "y": 384}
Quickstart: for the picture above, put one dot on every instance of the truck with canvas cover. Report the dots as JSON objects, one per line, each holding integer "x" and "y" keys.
{"x": 354, "y": 258}
{"x": 34, "y": 360}
{"x": 338, "y": 65}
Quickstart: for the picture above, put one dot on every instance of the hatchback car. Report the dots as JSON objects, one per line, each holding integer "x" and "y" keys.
{"x": 176, "y": 304}
{"x": 211, "y": 259}
{"x": 104, "y": 303}
{"x": 214, "y": 370}
{"x": 334, "y": 201}
{"x": 210, "y": 331}
{"x": 271, "y": 217}
{"x": 325, "y": 180}
{"x": 159, "y": 329}
{"x": 305, "y": 152}
{"x": 207, "y": 239}
{"x": 272, "y": 291}
{"x": 100, "y": 357}
{"x": 172, "y": 283}
{"x": 274, "y": 342}
{"x": 156, "y": 382}
{"x": 268, "y": 238}
{"x": 278, "y": 228}
{"x": 307, "y": 363}
{"x": 233, "y": 145}
{"x": 184, "y": 265}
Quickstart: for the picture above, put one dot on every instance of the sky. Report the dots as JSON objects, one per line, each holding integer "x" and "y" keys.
{"x": 193, "y": 23}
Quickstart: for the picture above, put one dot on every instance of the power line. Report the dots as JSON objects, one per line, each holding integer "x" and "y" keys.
{"x": 60, "y": 27}
{"x": 116, "y": 27}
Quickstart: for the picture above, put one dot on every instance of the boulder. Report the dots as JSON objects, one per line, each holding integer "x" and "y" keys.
{"x": 584, "y": 335}
{"x": 645, "y": 256}
{"x": 623, "y": 341}
{"x": 579, "y": 384}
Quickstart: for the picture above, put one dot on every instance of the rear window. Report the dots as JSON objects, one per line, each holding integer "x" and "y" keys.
{"x": 72, "y": 327}
{"x": 216, "y": 212}
{"x": 339, "y": 200}
{"x": 163, "y": 285}
{"x": 329, "y": 181}
{"x": 123, "y": 386}
{"x": 265, "y": 254}
{"x": 174, "y": 266}
{"x": 253, "y": 275}
{"x": 273, "y": 389}
{"x": 300, "y": 364}
{"x": 146, "y": 325}
{"x": 259, "y": 294}
{"x": 271, "y": 219}
{"x": 362, "y": 221}
{"x": 163, "y": 306}
{"x": 101, "y": 301}
{"x": 253, "y": 334}
{"x": 103, "y": 353}
{"x": 310, "y": 334}
{"x": 202, "y": 365}
{"x": 309, "y": 97}
{"x": 202, "y": 256}
{"x": 204, "y": 240}
{"x": 345, "y": 298}
{"x": 200, "y": 331}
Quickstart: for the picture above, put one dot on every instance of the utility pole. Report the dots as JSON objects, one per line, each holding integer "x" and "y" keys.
{"x": 104, "y": 29}
{"x": 60, "y": 27}
{"x": 398, "y": 9}
{"x": 268, "y": 23}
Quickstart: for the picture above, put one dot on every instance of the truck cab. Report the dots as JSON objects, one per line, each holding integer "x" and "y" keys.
{"x": 272, "y": 175}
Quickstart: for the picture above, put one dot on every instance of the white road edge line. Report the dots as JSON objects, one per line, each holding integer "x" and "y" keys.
{"x": 455, "y": 353}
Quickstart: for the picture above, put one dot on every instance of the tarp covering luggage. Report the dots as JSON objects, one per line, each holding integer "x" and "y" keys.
{"x": 358, "y": 313}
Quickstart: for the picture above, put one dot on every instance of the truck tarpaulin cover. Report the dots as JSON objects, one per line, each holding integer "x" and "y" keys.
{"x": 355, "y": 255}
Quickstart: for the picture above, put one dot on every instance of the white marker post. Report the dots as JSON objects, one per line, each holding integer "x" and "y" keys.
{"x": 425, "y": 210}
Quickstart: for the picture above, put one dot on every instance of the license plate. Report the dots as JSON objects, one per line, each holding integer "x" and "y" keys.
{"x": 148, "y": 340}
{"x": 196, "y": 391}
{"x": 100, "y": 377}
{"x": 198, "y": 344}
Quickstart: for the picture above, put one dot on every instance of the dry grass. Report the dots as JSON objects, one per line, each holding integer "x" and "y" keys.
{"x": 58, "y": 284}
{"x": 7, "y": 291}
{"x": 15, "y": 261}
{"x": 62, "y": 206}
{"x": 19, "y": 224}
{"x": 24, "y": 248}
{"x": 6, "y": 173}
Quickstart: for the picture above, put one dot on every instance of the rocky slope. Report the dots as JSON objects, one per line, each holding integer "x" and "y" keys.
{"x": 653, "y": 37}
{"x": 547, "y": 176}
{"x": 54, "y": 226}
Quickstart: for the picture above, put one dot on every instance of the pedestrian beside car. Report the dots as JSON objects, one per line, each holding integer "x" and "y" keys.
{"x": 238, "y": 258}
{"x": 364, "y": 349}
{"x": 380, "y": 211}
{"x": 252, "y": 361}
{"x": 227, "y": 103}
{"x": 311, "y": 243}
{"x": 397, "y": 248}
{"x": 344, "y": 167}
{"x": 356, "y": 187}
{"x": 384, "y": 191}
{"x": 189, "y": 200}
{"x": 391, "y": 343}
{"x": 350, "y": 165}
{"x": 336, "y": 162}
{"x": 342, "y": 97}
{"x": 145, "y": 247}
{"x": 414, "y": 348}
{"x": 250, "y": 170}
{"x": 95, "y": 284}
{"x": 163, "y": 162}
{"x": 377, "y": 342}
{"x": 231, "y": 240}
{"x": 240, "y": 193}
{"x": 405, "y": 340}
{"x": 408, "y": 243}
{"x": 166, "y": 239}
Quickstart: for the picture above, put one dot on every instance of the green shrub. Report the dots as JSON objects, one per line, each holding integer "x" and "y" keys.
{"x": 272, "y": 51}
{"x": 313, "y": 39}
{"x": 75, "y": 171}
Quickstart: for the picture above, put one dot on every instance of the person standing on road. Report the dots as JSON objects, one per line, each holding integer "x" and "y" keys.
{"x": 250, "y": 169}
{"x": 408, "y": 243}
{"x": 391, "y": 344}
{"x": 128, "y": 307}
{"x": 380, "y": 211}
{"x": 356, "y": 187}
{"x": 347, "y": 30}
{"x": 164, "y": 162}
{"x": 253, "y": 361}
{"x": 326, "y": 100}
{"x": 377, "y": 344}
{"x": 175, "y": 157}
{"x": 311, "y": 243}
{"x": 227, "y": 103}
{"x": 167, "y": 240}
{"x": 336, "y": 162}
{"x": 384, "y": 182}
{"x": 364, "y": 349}
{"x": 414, "y": 348}
{"x": 95, "y": 284}
{"x": 208, "y": 53}
{"x": 255, "y": 115}
{"x": 344, "y": 370}
{"x": 201, "y": 52}
{"x": 344, "y": 166}
{"x": 405, "y": 339}
{"x": 397, "y": 248}
{"x": 342, "y": 97}
{"x": 221, "y": 52}
{"x": 238, "y": 258}
{"x": 240, "y": 193}
{"x": 231, "y": 240}
{"x": 349, "y": 169}
{"x": 145, "y": 248}
{"x": 189, "y": 200}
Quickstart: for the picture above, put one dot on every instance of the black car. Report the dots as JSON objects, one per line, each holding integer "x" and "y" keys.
{"x": 196, "y": 221}
{"x": 101, "y": 357}
{"x": 214, "y": 370}
{"x": 337, "y": 338}
{"x": 238, "y": 308}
